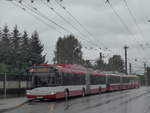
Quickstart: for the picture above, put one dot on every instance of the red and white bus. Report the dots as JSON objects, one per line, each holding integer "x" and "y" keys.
{"x": 54, "y": 81}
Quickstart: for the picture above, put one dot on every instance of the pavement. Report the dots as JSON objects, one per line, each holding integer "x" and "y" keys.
{"x": 11, "y": 103}
{"x": 126, "y": 101}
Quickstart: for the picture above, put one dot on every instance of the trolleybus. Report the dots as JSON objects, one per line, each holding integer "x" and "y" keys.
{"x": 54, "y": 81}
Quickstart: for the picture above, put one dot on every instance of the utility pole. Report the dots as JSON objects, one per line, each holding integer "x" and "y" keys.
{"x": 126, "y": 62}
{"x": 5, "y": 84}
{"x": 145, "y": 74}
{"x": 100, "y": 61}
{"x": 130, "y": 68}
{"x": 100, "y": 55}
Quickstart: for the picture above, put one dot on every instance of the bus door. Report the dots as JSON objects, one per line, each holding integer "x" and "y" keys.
{"x": 88, "y": 82}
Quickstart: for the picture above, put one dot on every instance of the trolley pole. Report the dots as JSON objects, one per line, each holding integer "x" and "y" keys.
{"x": 126, "y": 62}
{"x": 130, "y": 68}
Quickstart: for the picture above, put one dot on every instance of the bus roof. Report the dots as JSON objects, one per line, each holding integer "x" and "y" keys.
{"x": 78, "y": 69}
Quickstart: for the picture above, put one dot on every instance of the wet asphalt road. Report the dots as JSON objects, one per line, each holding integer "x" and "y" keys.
{"x": 127, "y": 101}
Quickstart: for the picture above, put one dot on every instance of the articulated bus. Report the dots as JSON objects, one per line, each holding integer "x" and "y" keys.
{"x": 54, "y": 81}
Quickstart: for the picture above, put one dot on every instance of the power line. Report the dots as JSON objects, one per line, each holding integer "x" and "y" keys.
{"x": 24, "y": 9}
{"x": 51, "y": 8}
{"x": 32, "y": 10}
{"x": 76, "y": 29}
{"x": 36, "y": 11}
{"x": 137, "y": 26}
{"x": 50, "y": 20}
{"x": 45, "y": 17}
{"x": 77, "y": 21}
{"x": 36, "y": 17}
{"x": 42, "y": 15}
{"x": 135, "y": 21}
{"x": 122, "y": 21}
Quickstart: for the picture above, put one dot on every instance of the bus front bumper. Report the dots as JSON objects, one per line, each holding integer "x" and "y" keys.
{"x": 50, "y": 96}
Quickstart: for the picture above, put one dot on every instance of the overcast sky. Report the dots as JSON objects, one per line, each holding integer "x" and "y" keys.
{"x": 97, "y": 17}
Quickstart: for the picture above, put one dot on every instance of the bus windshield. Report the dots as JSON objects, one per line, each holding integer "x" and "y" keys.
{"x": 48, "y": 77}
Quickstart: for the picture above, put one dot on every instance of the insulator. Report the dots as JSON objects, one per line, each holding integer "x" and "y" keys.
{"x": 32, "y": 1}
{"x": 20, "y": 1}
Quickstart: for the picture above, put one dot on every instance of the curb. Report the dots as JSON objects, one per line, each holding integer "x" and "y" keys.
{"x": 5, "y": 110}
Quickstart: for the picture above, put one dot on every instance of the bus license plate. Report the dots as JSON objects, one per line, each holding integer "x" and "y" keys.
{"x": 39, "y": 97}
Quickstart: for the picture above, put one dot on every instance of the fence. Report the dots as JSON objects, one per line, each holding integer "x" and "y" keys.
{"x": 14, "y": 84}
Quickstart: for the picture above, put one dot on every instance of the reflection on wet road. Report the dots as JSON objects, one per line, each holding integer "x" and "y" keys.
{"x": 127, "y": 101}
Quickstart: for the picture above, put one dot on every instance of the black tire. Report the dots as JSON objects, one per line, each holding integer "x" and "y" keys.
{"x": 66, "y": 95}
{"x": 100, "y": 90}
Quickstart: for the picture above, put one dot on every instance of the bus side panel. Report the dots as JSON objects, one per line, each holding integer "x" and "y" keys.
{"x": 60, "y": 95}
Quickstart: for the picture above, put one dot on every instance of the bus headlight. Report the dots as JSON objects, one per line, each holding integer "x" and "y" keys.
{"x": 28, "y": 93}
{"x": 52, "y": 93}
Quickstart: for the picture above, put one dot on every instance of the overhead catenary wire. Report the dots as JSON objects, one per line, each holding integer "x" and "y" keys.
{"x": 58, "y": 14}
{"x": 36, "y": 17}
{"x": 33, "y": 10}
{"x": 121, "y": 20}
{"x": 137, "y": 26}
{"x": 123, "y": 23}
{"x": 44, "y": 16}
{"x": 77, "y": 21}
{"x": 135, "y": 21}
{"x": 24, "y": 9}
{"x": 107, "y": 1}
{"x": 85, "y": 40}
{"x": 96, "y": 45}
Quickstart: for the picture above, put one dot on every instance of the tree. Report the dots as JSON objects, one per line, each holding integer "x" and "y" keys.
{"x": 16, "y": 38}
{"x": 36, "y": 49}
{"x": 100, "y": 65}
{"x": 25, "y": 50}
{"x": 16, "y": 49}
{"x": 116, "y": 63}
{"x": 5, "y": 45}
{"x": 87, "y": 63}
{"x": 5, "y": 50}
{"x": 4, "y": 68}
{"x": 68, "y": 50}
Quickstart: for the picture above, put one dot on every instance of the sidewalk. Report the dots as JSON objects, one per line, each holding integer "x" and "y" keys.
{"x": 10, "y": 103}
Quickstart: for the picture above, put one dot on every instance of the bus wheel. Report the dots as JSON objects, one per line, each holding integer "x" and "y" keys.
{"x": 66, "y": 95}
{"x": 99, "y": 90}
{"x": 83, "y": 92}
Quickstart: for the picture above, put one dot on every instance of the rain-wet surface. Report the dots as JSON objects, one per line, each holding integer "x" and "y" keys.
{"x": 127, "y": 101}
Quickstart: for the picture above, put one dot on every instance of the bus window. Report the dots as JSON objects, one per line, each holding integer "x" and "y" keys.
{"x": 46, "y": 78}
{"x": 98, "y": 79}
{"x": 73, "y": 79}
